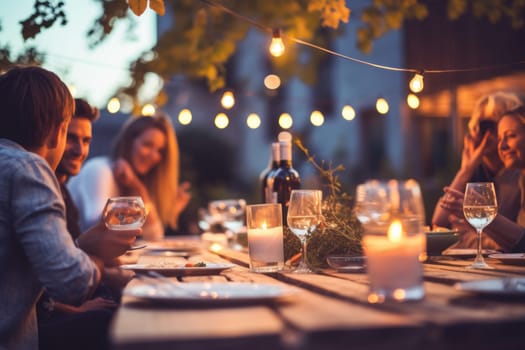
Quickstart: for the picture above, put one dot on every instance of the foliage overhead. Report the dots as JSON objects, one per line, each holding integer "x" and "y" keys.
{"x": 204, "y": 37}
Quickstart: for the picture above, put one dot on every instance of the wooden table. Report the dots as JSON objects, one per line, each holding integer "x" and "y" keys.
{"x": 330, "y": 312}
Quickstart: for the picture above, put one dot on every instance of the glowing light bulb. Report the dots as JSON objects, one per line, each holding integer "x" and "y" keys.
{"x": 413, "y": 101}
{"x": 113, "y": 105}
{"x": 221, "y": 121}
{"x": 317, "y": 118}
{"x": 416, "y": 84}
{"x": 277, "y": 45}
{"x": 382, "y": 105}
{"x": 148, "y": 110}
{"x": 285, "y": 121}
{"x": 253, "y": 121}
{"x": 185, "y": 116}
{"x": 228, "y": 100}
{"x": 348, "y": 112}
{"x": 272, "y": 81}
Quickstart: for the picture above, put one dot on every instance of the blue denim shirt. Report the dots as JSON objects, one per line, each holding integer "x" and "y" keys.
{"x": 36, "y": 251}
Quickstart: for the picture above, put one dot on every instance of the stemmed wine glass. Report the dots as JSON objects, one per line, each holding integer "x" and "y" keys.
{"x": 124, "y": 213}
{"x": 232, "y": 213}
{"x": 304, "y": 215}
{"x": 480, "y": 207}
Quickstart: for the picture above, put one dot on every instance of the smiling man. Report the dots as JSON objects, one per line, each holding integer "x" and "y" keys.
{"x": 79, "y": 136}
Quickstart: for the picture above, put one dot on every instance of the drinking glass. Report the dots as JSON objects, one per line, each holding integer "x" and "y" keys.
{"x": 232, "y": 215}
{"x": 480, "y": 207}
{"x": 124, "y": 213}
{"x": 304, "y": 214}
{"x": 392, "y": 215}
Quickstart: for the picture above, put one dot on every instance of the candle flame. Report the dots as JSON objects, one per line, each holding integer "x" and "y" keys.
{"x": 264, "y": 226}
{"x": 395, "y": 231}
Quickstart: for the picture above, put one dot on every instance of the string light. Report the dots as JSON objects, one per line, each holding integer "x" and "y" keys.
{"x": 317, "y": 118}
{"x": 277, "y": 45}
{"x": 416, "y": 83}
{"x": 185, "y": 116}
{"x": 382, "y": 105}
{"x": 221, "y": 121}
{"x": 285, "y": 121}
{"x": 272, "y": 81}
{"x": 348, "y": 112}
{"x": 113, "y": 105}
{"x": 148, "y": 110}
{"x": 228, "y": 99}
{"x": 253, "y": 121}
{"x": 412, "y": 101}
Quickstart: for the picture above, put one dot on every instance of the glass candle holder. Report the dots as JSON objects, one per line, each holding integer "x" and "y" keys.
{"x": 265, "y": 237}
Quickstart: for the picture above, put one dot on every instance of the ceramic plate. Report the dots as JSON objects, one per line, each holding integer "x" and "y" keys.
{"x": 467, "y": 253}
{"x": 510, "y": 259}
{"x": 179, "y": 270}
{"x": 495, "y": 287}
{"x": 209, "y": 292}
{"x": 347, "y": 263}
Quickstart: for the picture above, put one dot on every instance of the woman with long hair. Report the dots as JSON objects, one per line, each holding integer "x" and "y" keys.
{"x": 144, "y": 162}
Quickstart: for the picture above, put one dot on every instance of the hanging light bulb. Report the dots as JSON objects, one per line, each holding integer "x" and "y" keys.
{"x": 317, "y": 118}
{"x": 382, "y": 105}
{"x": 253, "y": 121}
{"x": 348, "y": 112}
{"x": 277, "y": 45}
{"x": 416, "y": 84}
{"x": 228, "y": 100}
{"x": 221, "y": 121}
{"x": 148, "y": 110}
{"x": 413, "y": 101}
{"x": 285, "y": 121}
{"x": 113, "y": 105}
{"x": 185, "y": 116}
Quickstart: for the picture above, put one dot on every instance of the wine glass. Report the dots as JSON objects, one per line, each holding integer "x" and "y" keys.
{"x": 232, "y": 214}
{"x": 480, "y": 207}
{"x": 124, "y": 213}
{"x": 304, "y": 214}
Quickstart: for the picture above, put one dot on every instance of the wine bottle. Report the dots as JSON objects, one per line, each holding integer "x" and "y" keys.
{"x": 285, "y": 178}
{"x": 267, "y": 174}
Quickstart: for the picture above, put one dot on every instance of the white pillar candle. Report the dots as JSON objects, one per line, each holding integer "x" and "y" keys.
{"x": 266, "y": 244}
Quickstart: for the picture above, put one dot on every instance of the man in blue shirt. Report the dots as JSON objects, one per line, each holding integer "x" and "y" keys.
{"x": 36, "y": 250}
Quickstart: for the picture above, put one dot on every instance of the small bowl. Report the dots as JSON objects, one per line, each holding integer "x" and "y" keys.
{"x": 347, "y": 263}
{"x": 438, "y": 241}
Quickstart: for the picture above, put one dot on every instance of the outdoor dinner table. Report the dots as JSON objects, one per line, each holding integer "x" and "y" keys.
{"x": 325, "y": 310}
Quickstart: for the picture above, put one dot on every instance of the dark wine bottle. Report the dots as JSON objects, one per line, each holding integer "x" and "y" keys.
{"x": 285, "y": 178}
{"x": 266, "y": 175}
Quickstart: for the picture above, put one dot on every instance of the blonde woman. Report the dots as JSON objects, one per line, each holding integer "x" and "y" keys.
{"x": 144, "y": 162}
{"x": 480, "y": 162}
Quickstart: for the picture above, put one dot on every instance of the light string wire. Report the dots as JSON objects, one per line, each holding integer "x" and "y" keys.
{"x": 353, "y": 59}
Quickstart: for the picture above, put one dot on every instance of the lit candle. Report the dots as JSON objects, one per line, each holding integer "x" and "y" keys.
{"x": 266, "y": 244}
{"x": 393, "y": 263}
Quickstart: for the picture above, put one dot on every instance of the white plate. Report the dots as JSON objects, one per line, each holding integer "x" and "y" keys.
{"x": 178, "y": 270}
{"x": 467, "y": 253}
{"x": 510, "y": 259}
{"x": 495, "y": 287}
{"x": 210, "y": 292}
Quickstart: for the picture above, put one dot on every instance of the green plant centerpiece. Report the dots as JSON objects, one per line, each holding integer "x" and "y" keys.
{"x": 339, "y": 233}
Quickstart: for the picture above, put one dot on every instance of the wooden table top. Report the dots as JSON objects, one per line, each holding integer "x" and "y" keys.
{"x": 330, "y": 311}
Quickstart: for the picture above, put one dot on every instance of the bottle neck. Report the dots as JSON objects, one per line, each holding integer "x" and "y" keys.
{"x": 286, "y": 153}
{"x": 276, "y": 154}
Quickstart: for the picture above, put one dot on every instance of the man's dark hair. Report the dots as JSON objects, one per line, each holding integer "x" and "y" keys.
{"x": 33, "y": 103}
{"x": 84, "y": 110}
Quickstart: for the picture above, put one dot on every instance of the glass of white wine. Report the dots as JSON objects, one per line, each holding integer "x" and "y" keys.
{"x": 304, "y": 215}
{"x": 124, "y": 213}
{"x": 480, "y": 207}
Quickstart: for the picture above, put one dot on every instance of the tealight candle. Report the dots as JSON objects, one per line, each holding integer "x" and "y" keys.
{"x": 265, "y": 237}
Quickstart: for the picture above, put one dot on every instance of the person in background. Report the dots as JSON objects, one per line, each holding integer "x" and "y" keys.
{"x": 84, "y": 326}
{"x": 480, "y": 162}
{"x": 144, "y": 162}
{"x": 36, "y": 250}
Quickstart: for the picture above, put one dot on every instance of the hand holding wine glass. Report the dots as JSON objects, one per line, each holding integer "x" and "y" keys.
{"x": 480, "y": 207}
{"x": 125, "y": 213}
{"x": 304, "y": 215}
